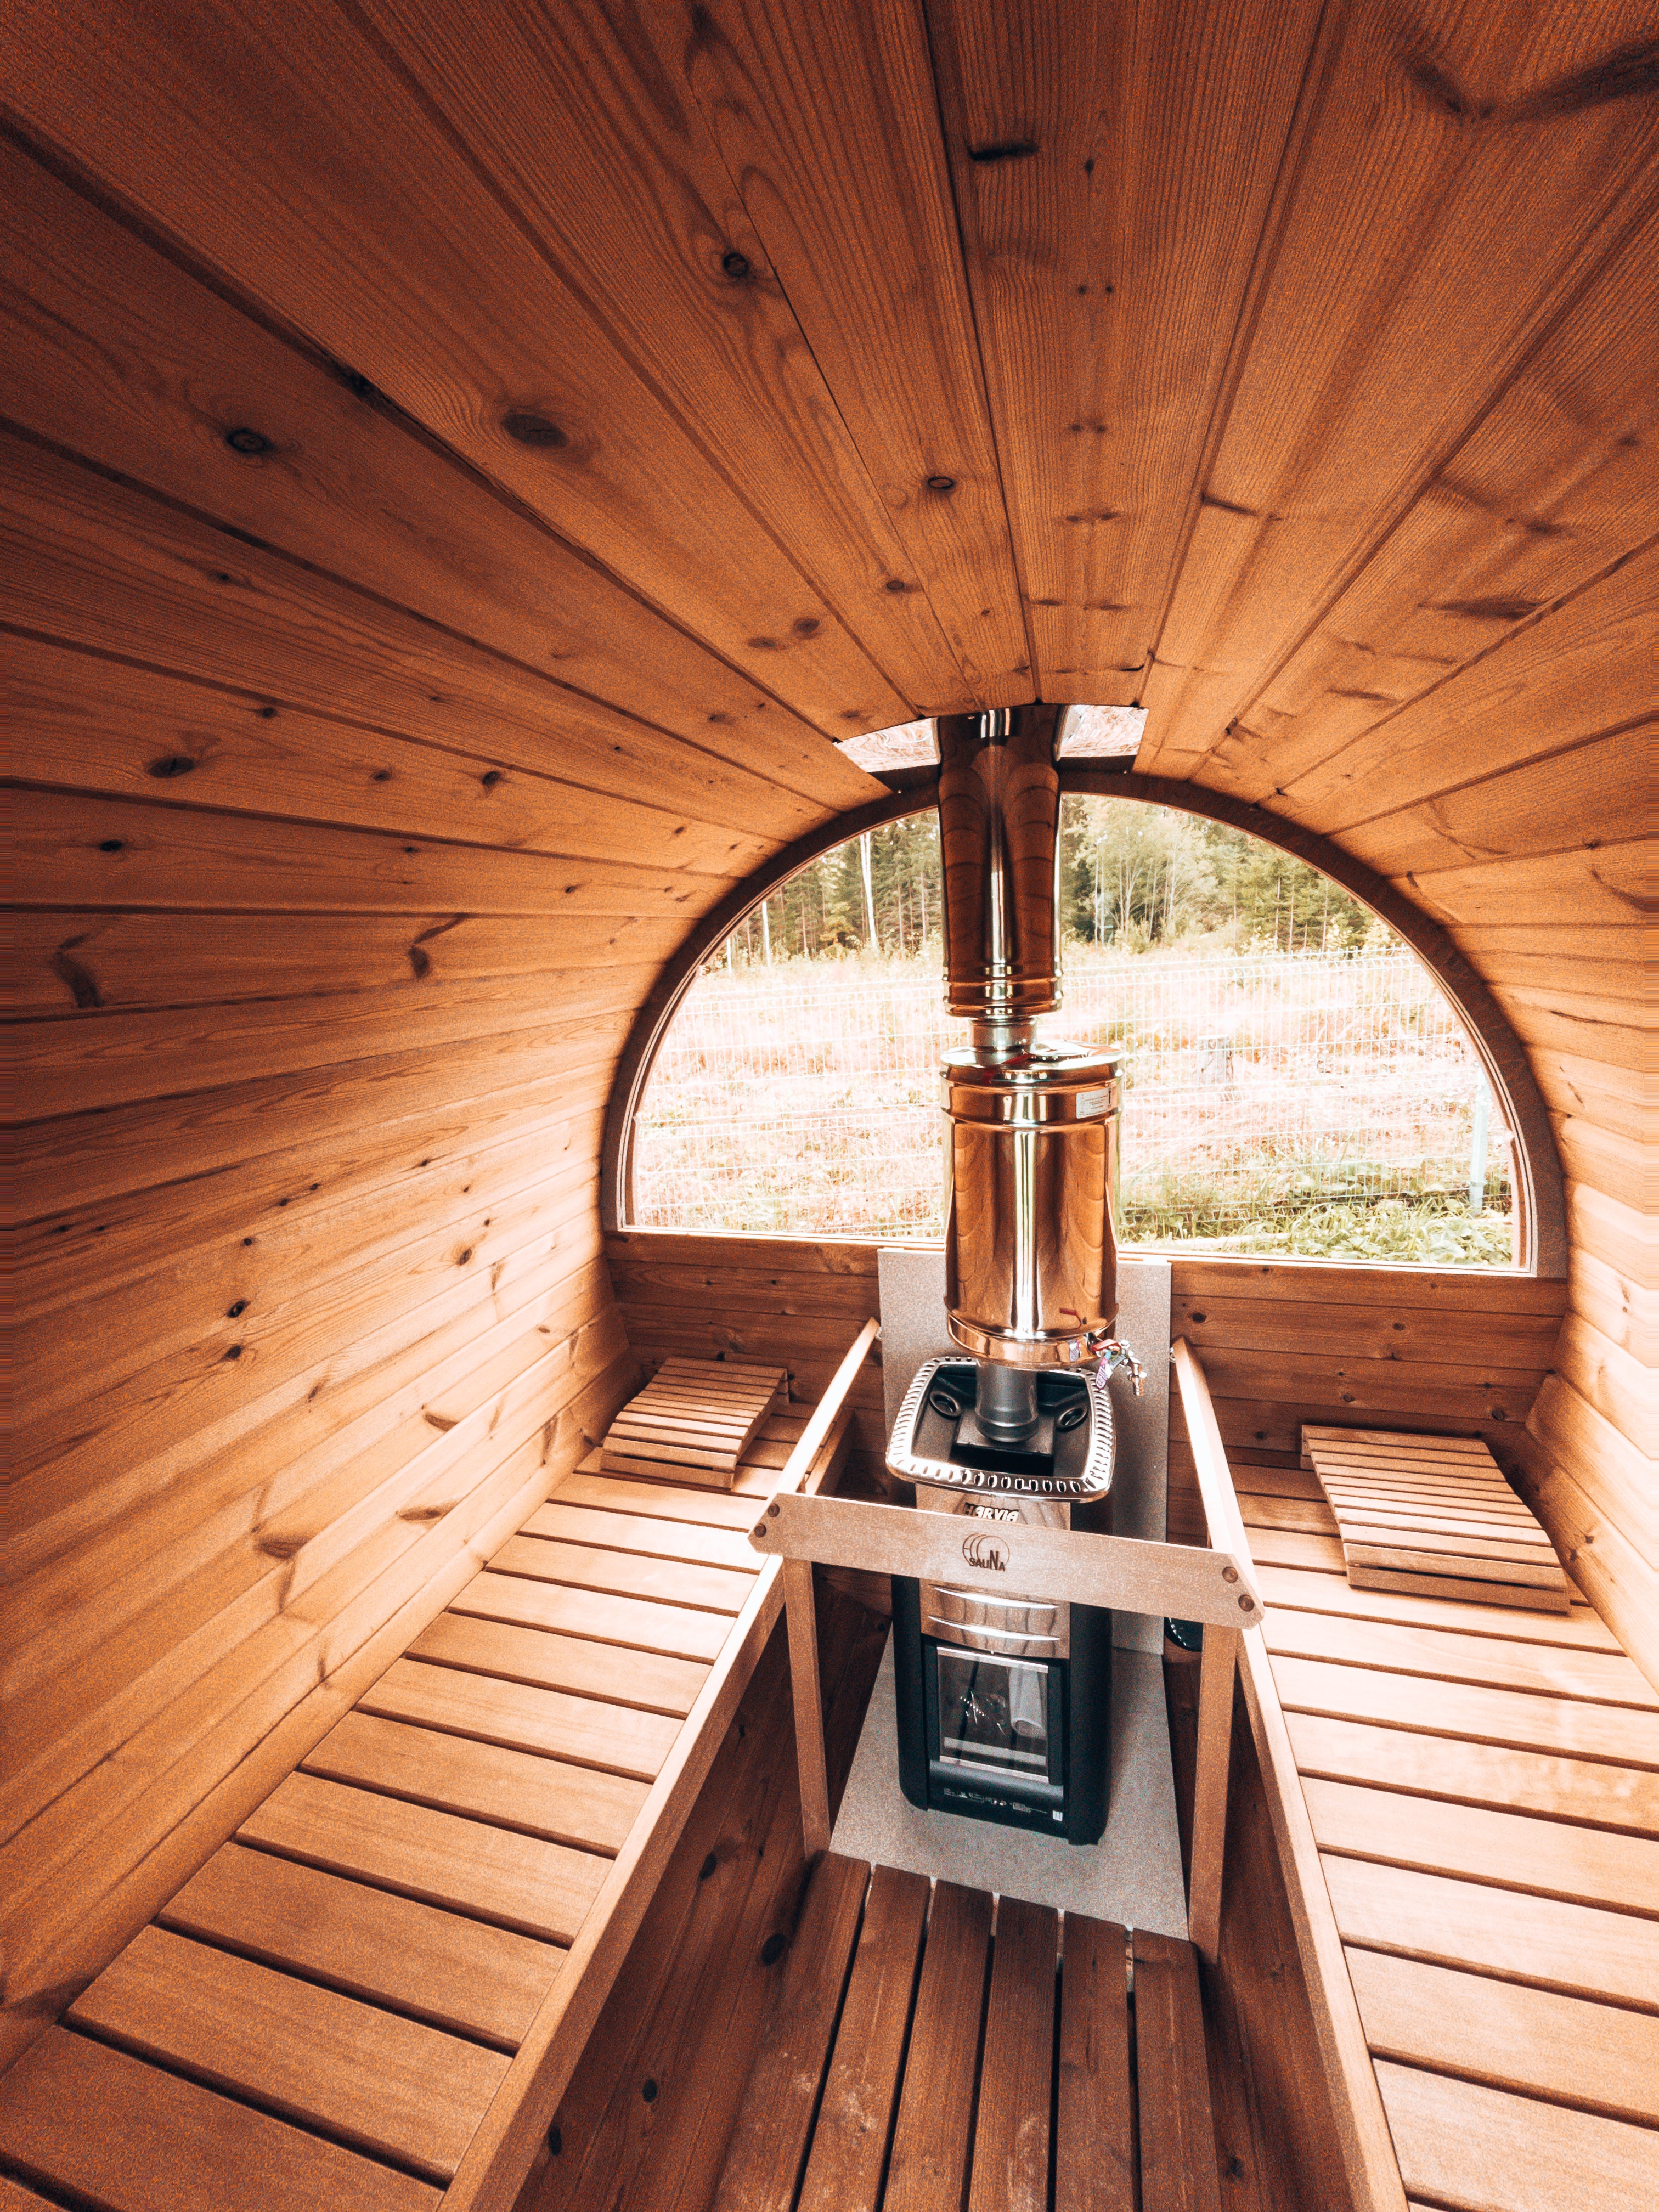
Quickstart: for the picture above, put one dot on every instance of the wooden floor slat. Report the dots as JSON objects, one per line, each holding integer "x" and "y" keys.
{"x": 1576, "y": 1789}
{"x": 640, "y": 1532}
{"x": 928, "y": 2168}
{"x": 1441, "y": 1655}
{"x": 849, "y": 2144}
{"x": 1177, "y": 2134}
{"x": 1393, "y": 1444}
{"x": 645, "y": 1680}
{"x": 1278, "y": 1547}
{"x": 1003, "y": 2072}
{"x": 518, "y": 1718}
{"x": 129, "y": 2137}
{"x": 1438, "y": 1507}
{"x": 672, "y": 1630}
{"x": 518, "y": 1790}
{"x": 1011, "y": 2138}
{"x": 1322, "y": 1586}
{"x": 1585, "y": 1866}
{"x": 438, "y": 1966}
{"x": 1474, "y": 2149}
{"x": 767, "y": 2149}
{"x": 1094, "y": 2118}
{"x": 1573, "y": 2051}
{"x": 517, "y": 1881}
{"x": 383, "y": 2084}
{"x": 1469, "y": 1585}
{"x": 1577, "y": 1949}
{"x": 627, "y": 1574}
{"x": 696, "y": 1414}
{"x": 618, "y": 1493}
{"x": 1564, "y": 1728}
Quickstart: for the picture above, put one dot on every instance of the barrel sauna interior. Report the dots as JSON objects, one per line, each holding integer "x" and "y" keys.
{"x": 463, "y": 467}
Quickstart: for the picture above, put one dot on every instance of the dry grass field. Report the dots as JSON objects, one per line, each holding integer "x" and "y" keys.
{"x": 1303, "y": 1102}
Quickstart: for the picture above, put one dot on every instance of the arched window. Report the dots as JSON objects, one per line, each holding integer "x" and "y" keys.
{"x": 1297, "y": 1083}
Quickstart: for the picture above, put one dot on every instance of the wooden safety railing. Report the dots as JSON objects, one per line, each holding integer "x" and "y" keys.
{"x": 1368, "y": 2150}
{"x": 1216, "y": 1586}
{"x": 1119, "y": 1573}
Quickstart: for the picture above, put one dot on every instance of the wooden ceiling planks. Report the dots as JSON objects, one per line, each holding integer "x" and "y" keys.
{"x": 1582, "y": 675}
{"x": 511, "y": 245}
{"x": 1564, "y": 800}
{"x": 100, "y": 957}
{"x": 201, "y": 1540}
{"x": 117, "y": 354}
{"x": 1159, "y": 226}
{"x": 613, "y": 173}
{"x": 1455, "y": 196}
{"x": 174, "y": 857}
{"x": 1112, "y": 183}
{"x": 94, "y": 1246}
{"x": 826, "y": 120}
{"x": 101, "y": 566}
{"x": 1603, "y": 884}
{"x": 1539, "y": 505}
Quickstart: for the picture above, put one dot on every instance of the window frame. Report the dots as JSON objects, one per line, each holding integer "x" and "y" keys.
{"x": 1535, "y": 1167}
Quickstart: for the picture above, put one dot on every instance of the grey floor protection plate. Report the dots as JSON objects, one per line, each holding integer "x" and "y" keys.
{"x": 1133, "y": 1875}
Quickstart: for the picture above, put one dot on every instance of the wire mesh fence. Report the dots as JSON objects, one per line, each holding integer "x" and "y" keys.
{"x": 1272, "y": 1101}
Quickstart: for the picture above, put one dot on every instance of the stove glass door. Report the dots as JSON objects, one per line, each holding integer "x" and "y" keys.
{"x": 993, "y": 1714}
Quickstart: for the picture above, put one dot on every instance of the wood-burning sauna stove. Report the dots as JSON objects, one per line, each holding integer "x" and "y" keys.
{"x": 1005, "y": 1703}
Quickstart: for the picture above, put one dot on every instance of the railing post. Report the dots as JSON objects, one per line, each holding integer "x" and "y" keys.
{"x": 809, "y": 1757}
{"x": 1222, "y": 1650}
{"x": 1215, "y": 1724}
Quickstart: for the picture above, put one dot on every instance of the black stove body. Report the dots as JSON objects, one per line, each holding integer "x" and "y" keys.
{"x": 1004, "y": 1701}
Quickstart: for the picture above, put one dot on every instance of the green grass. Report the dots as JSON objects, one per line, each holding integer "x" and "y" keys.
{"x": 1434, "y": 1229}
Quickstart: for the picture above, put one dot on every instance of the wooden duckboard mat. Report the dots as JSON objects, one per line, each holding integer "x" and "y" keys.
{"x": 1479, "y": 1785}
{"x": 1433, "y": 1516}
{"x": 930, "y": 2046}
{"x": 694, "y": 1421}
{"x": 324, "y": 2016}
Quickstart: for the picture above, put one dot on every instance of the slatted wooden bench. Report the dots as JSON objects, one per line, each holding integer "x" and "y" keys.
{"x": 371, "y": 1998}
{"x": 932, "y": 2047}
{"x": 1466, "y": 1802}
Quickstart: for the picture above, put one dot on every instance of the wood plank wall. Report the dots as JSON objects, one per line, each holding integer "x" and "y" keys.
{"x": 335, "y": 899}
{"x": 1508, "y": 807}
{"x": 1281, "y": 1343}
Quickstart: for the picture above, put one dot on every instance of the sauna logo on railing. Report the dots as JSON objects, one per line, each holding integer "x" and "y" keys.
{"x": 989, "y": 1553}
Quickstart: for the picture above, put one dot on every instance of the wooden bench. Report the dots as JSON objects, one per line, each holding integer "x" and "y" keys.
{"x": 372, "y": 1998}
{"x": 1466, "y": 1799}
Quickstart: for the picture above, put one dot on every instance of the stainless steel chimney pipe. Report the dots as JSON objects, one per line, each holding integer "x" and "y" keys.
{"x": 999, "y": 818}
{"x": 1030, "y": 1260}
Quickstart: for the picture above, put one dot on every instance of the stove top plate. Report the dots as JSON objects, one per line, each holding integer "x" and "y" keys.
{"x": 914, "y": 1456}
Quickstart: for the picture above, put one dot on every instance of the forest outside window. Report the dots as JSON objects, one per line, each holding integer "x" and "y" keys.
{"x": 1297, "y": 1084}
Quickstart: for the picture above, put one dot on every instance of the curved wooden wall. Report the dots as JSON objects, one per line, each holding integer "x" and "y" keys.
{"x": 463, "y": 464}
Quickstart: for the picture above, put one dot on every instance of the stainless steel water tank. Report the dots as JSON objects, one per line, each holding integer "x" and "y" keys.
{"x": 1030, "y": 1259}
